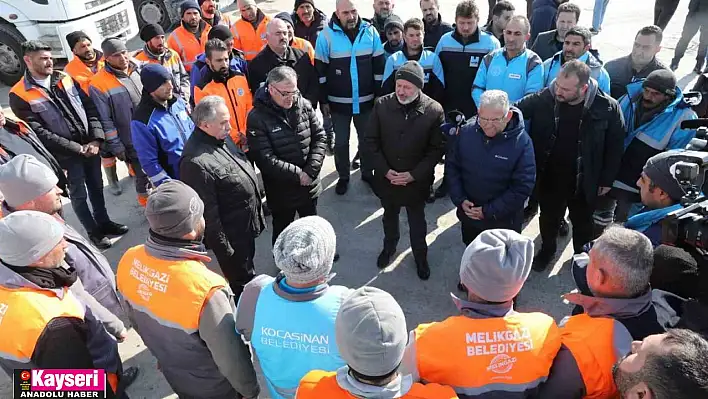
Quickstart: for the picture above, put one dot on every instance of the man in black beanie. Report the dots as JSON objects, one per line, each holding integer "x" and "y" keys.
{"x": 405, "y": 144}
{"x": 308, "y": 20}
{"x": 156, "y": 51}
{"x": 393, "y": 29}
{"x": 87, "y": 60}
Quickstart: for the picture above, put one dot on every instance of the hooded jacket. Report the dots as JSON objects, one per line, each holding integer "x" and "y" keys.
{"x": 496, "y": 173}
{"x": 601, "y": 136}
{"x": 310, "y": 33}
{"x": 552, "y": 66}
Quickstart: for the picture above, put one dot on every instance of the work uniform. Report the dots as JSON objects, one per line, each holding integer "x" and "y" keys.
{"x": 434, "y": 83}
{"x": 187, "y": 44}
{"x": 278, "y": 319}
{"x": 518, "y": 76}
{"x": 321, "y": 384}
{"x": 81, "y": 72}
{"x": 489, "y": 348}
{"x": 170, "y": 60}
{"x": 250, "y": 37}
{"x": 552, "y": 67}
{"x": 304, "y": 45}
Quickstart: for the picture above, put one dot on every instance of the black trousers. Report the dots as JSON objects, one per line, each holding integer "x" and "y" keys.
{"x": 86, "y": 183}
{"x": 283, "y": 217}
{"x": 418, "y": 227}
{"x": 554, "y": 196}
{"x": 471, "y": 229}
{"x": 694, "y": 22}
{"x": 663, "y": 12}
{"x": 237, "y": 266}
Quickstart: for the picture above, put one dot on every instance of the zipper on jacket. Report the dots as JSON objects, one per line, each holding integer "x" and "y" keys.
{"x": 179, "y": 125}
{"x": 234, "y": 105}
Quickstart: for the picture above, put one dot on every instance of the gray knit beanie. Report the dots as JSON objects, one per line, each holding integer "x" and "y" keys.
{"x": 25, "y": 178}
{"x": 411, "y": 71}
{"x": 27, "y": 236}
{"x": 305, "y": 250}
{"x": 174, "y": 209}
{"x": 112, "y": 45}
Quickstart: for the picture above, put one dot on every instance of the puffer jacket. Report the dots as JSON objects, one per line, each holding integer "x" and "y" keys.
{"x": 310, "y": 33}
{"x": 284, "y": 143}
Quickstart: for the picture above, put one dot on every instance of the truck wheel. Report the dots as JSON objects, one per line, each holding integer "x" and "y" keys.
{"x": 152, "y": 12}
{"x": 11, "y": 65}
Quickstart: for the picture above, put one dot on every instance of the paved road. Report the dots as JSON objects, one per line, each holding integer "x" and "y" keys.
{"x": 356, "y": 216}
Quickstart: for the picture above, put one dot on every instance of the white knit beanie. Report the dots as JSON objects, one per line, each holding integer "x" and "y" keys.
{"x": 305, "y": 250}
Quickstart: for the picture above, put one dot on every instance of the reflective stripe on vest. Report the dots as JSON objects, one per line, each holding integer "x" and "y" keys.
{"x": 664, "y": 142}
{"x": 318, "y": 384}
{"x": 596, "y": 344}
{"x": 239, "y": 100}
{"x": 250, "y": 41}
{"x": 172, "y": 293}
{"x": 476, "y": 356}
{"x": 187, "y": 46}
{"x": 81, "y": 73}
{"x": 25, "y": 313}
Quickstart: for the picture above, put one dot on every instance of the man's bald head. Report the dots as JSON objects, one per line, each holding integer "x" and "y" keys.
{"x": 277, "y": 36}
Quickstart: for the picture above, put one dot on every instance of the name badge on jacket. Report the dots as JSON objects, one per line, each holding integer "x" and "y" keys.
{"x": 514, "y": 76}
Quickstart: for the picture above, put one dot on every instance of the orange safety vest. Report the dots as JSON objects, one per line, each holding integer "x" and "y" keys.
{"x": 474, "y": 356}
{"x": 171, "y": 292}
{"x": 239, "y": 100}
{"x": 250, "y": 41}
{"x": 319, "y": 384}
{"x": 82, "y": 73}
{"x": 305, "y": 46}
{"x": 169, "y": 63}
{"x": 591, "y": 341}
{"x": 186, "y": 44}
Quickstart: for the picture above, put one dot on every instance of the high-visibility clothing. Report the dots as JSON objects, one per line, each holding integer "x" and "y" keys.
{"x": 305, "y": 46}
{"x": 170, "y": 60}
{"x": 166, "y": 298}
{"x": 186, "y": 44}
{"x": 238, "y": 98}
{"x": 248, "y": 39}
{"x": 475, "y": 356}
{"x": 81, "y": 72}
{"x": 322, "y": 384}
{"x": 597, "y": 343}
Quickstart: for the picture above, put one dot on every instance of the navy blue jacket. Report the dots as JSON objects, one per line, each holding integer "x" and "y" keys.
{"x": 543, "y": 17}
{"x": 497, "y": 174}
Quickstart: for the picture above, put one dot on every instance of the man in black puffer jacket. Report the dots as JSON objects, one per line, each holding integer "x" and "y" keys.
{"x": 287, "y": 142}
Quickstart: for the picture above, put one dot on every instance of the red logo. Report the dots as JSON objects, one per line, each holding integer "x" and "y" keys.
{"x": 501, "y": 364}
{"x": 25, "y": 375}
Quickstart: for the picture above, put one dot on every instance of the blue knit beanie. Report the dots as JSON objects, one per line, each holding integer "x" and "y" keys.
{"x": 153, "y": 76}
{"x": 188, "y": 5}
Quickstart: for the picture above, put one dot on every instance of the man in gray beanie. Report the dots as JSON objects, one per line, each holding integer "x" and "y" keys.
{"x": 489, "y": 337}
{"x": 299, "y": 300}
{"x": 371, "y": 336}
{"x": 169, "y": 272}
{"x": 404, "y": 145}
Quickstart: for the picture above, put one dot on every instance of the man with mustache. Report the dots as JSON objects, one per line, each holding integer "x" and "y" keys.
{"x": 576, "y": 46}
{"x": 212, "y": 16}
{"x": 383, "y": 10}
{"x": 434, "y": 26}
{"x": 87, "y": 60}
{"x": 308, "y": 20}
{"x": 189, "y": 38}
{"x": 250, "y": 31}
{"x": 156, "y": 51}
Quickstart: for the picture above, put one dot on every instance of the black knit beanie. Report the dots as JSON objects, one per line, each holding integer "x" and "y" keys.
{"x": 151, "y": 30}
{"x": 298, "y": 3}
{"x": 411, "y": 71}
{"x": 663, "y": 81}
{"x": 74, "y": 37}
{"x": 658, "y": 169}
{"x": 220, "y": 32}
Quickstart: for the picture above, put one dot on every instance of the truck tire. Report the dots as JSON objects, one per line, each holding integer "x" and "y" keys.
{"x": 12, "y": 67}
{"x": 152, "y": 12}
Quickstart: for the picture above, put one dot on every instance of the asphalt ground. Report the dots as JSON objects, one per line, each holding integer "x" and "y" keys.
{"x": 356, "y": 216}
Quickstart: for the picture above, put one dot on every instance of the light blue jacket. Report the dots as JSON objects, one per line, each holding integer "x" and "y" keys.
{"x": 649, "y": 222}
{"x": 518, "y": 76}
{"x": 434, "y": 84}
{"x": 552, "y": 66}
{"x": 291, "y": 330}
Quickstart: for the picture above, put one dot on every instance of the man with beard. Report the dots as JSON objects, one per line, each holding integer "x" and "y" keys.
{"x": 308, "y": 20}
{"x": 577, "y": 132}
{"x": 461, "y": 53}
{"x": 156, "y": 51}
{"x": 513, "y": 68}
{"x": 184, "y": 311}
{"x": 231, "y": 86}
{"x": 405, "y": 144}
{"x": 547, "y": 44}
{"x": 189, "y": 38}
{"x": 500, "y": 15}
{"x": 250, "y": 31}
{"x": 576, "y": 46}
{"x": 349, "y": 58}
{"x": 212, "y": 16}
{"x": 383, "y": 10}
{"x": 228, "y": 185}
{"x": 638, "y": 64}
{"x": 653, "y": 111}
{"x": 86, "y": 62}
{"x": 394, "y": 35}
{"x": 434, "y": 25}
{"x": 670, "y": 365}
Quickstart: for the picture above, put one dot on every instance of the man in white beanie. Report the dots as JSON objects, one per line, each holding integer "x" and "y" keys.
{"x": 490, "y": 347}
{"x": 292, "y": 316}
{"x": 371, "y": 336}
{"x": 30, "y": 185}
{"x": 45, "y": 318}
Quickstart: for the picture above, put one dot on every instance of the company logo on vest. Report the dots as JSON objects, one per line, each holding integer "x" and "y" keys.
{"x": 60, "y": 383}
{"x": 303, "y": 342}
{"x": 501, "y": 364}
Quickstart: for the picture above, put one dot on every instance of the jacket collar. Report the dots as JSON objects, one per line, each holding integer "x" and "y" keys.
{"x": 474, "y": 38}
{"x": 433, "y": 26}
{"x": 475, "y": 310}
{"x": 589, "y": 94}
{"x": 299, "y": 295}
{"x": 14, "y": 281}
{"x": 336, "y": 25}
{"x": 412, "y": 57}
{"x": 618, "y": 308}
{"x": 398, "y": 388}
{"x": 147, "y": 98}
{"x": 203, "y": 137}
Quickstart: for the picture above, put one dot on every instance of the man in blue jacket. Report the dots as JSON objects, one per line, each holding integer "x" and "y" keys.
{"x": 653, "y": 111}
{"x": 576, "y": 46}
{"x": 292, "y": 315}
{"x": 491, "y": 168}
{"x": 160, "y": 125}
{"x": 513, "y": 68}
{"x": 349, "y": 59}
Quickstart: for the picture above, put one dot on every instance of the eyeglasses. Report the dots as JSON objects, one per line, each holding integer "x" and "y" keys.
{"x": 287, "y": 93}
{"x": 488, "y": 120}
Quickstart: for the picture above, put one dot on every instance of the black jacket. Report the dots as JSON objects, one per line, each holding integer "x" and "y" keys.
{"x": 601, "y": 136}
{"x": 228, "y": 185}
{"x": 405, "y": 139}
{"x": 621, "y": 73}
{"x": 310, "y": 33}
{"x": 546, "y": 44}
{"x": 433, "y": 33}
{"x": 307, "y": 80}
{"x": 284, "y": 143}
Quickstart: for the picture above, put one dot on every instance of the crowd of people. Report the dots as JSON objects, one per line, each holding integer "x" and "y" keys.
{"x": 226, "y": 121}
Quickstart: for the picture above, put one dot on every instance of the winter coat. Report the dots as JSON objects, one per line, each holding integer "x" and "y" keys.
{"x": 621, "y": 73}
{"x": 405, "y": 141}
{"x": 201, "y": 74}
{"x": 284, "y": 143}
{"x": 553, "y": 65}
{"x": 546, "y": 44}
{"x": 496, "y": 173}
{"x": 310, "y": 33}
{"x": 298, "y": 60}
{"x": 601, "y": 136}
{"x": 434, "y": 85}
{"x": 433, "y": 33}
{"x": 543, "y": 17}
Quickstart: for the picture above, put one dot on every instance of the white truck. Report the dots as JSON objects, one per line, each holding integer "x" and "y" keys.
{"x": 164, "y": 12}
{"x": 51, "y": 20}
